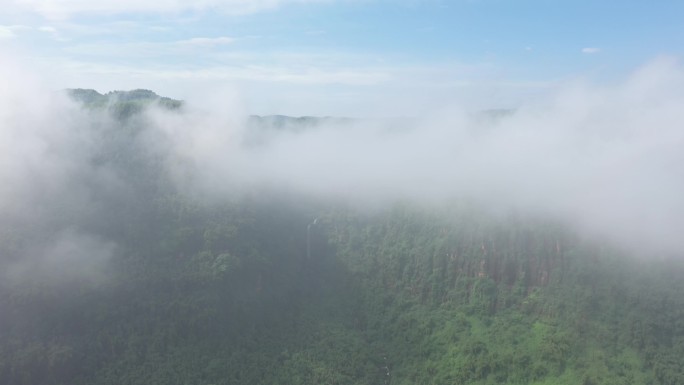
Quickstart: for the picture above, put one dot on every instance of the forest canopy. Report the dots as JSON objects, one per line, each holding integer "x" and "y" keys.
{"x": 159, "y": 247}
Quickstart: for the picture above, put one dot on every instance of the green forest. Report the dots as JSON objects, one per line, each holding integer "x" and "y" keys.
{"x": 271, "y": 287}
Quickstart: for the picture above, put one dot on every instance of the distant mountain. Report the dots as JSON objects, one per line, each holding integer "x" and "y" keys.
{"x": 284, "y": 121}
{"x": 126, "y": 103}
{"x": 122, "y": 104}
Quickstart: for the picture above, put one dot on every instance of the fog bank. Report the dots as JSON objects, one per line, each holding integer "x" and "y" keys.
{"x": 607, "y": 158}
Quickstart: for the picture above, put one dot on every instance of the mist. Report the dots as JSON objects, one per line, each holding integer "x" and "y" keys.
{"x": 59, "y": 207}
{"x": 604, "y": 157}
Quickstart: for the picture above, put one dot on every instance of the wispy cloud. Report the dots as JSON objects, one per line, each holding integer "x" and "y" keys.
{"x": 259, "y": 73}
{"x": 10, "y": 31}
{"x": 48, "y": 29}
{"x": 210, "y": 60}
{"x": 591, "y": 50}
{"x": 6, "y": 32}
{"x": 65, "y": 9}
{"x": 143, "y": 49}
{"x": 206, "y": 41}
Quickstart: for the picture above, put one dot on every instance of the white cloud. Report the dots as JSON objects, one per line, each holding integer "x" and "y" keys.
{"x": 604, "y": 158}
{"x": 268, "y": 74}
{"x": 66, "y": 8}
{"x": 206, "y": 41}
{"x": 146, "y": 49}
{"x": 591, "y": 50}
{"x": 10, "y": 31}
{"x": 6, "y": 32}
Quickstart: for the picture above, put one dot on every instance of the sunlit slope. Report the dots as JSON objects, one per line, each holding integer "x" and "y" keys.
{"x": 463, "y": 297}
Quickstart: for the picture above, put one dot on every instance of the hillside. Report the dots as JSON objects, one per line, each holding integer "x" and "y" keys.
{"x": 138, "y": 281}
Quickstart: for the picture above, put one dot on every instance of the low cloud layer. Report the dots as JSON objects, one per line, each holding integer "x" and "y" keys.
{"x": 607, "y": 158}
{"x": 55, "y": 200}
{"x": 67, "y": 255}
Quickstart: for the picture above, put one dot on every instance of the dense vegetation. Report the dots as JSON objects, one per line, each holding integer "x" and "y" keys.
{"x": 269, "y": 288}
{"x": 122, "y": 104}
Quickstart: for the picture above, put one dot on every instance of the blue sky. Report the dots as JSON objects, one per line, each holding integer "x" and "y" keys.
{"x": 353, "y": 57}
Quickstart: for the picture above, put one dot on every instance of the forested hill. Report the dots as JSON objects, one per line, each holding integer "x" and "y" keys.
{"x": 124, "y": 104}
{"x": 92, "y": 98}
{"x": 115, "y": 274}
